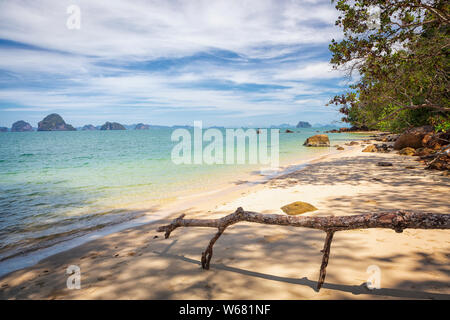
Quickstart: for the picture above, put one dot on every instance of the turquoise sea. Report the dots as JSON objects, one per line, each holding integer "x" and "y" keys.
{"x": 57, "y": 186}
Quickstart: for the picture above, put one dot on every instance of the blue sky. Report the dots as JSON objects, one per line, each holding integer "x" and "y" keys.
{"x": 231, "y": 63}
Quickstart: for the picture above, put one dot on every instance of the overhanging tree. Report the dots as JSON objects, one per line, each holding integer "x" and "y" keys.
{"x": 400, "y": 52}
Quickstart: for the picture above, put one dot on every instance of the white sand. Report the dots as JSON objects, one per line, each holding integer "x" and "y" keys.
{"x": 269, "y": 262}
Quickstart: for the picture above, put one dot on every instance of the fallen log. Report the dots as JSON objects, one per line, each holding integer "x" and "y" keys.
{"x": 397, "y": 220}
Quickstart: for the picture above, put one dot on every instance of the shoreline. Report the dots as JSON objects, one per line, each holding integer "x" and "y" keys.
{"x": 246, "y": 182}
{"x": 346, "y": 182}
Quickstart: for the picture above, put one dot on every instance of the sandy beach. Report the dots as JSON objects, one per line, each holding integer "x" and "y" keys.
{"x": 253, "y": 261}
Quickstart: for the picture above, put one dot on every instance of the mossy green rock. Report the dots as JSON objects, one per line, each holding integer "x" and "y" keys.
{"x": 407, "y": 151}
{"x": 319, "y": 140}
{"x": 370, "y": 148}
{"x": 298, "y": 207}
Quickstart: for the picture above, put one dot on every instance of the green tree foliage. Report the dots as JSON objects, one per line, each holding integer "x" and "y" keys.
{"x": 399, "y": 51}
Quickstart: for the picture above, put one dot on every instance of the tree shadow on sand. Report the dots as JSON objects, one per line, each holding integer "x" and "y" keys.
{"x": 356, "y": 290}
{"x": 251, "y": 261}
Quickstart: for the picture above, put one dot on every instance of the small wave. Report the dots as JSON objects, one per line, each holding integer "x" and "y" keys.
{"x": 61, "y": 181}
{"x": 31, "y": 244}
{"x": 36, "y": 193}
{"x": 11, "y": 173}
{"x": 27, "y": 154}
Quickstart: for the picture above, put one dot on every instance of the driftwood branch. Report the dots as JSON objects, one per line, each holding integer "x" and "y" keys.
{"x": 398, "y": 221}
{"x": 326, "y": 255}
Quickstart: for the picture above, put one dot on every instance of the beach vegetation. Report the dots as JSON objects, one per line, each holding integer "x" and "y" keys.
{"x": 398, "y": 52}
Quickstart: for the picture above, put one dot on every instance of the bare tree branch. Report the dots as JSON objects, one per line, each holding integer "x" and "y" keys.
{"x": 398, "y": 221}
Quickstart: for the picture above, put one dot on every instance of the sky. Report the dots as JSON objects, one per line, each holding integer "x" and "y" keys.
{"x": 223, "y": 62}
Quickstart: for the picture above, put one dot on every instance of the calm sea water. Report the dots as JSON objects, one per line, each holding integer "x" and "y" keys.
{"x": 56, "y": 186}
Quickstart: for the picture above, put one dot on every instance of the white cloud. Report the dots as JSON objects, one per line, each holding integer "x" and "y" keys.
{"x": 314, "y": 70}
{"x": 90, "y": 64}
{"x": 151, "y": 29}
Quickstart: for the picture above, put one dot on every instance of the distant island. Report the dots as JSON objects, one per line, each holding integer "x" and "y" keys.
{"x": 54, "y": 122}
{"x": 303, "y": 124}
{"x": 88, "y": 127}
{"x": 21, "y": 126}
{"x": 141, "y": 126}
{"x": 112, "y": 126}
{"x": 283, "y": 125}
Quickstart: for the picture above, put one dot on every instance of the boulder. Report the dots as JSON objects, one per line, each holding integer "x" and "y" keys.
{"x": 353, "y": 143}
{"x": 424, "y": 152}
{"x": 383, "y": 148}
{"x": 298, "y": 207}
{"x": 412, "y": 138}
{"x": 112, "y": 126}
{"x": 436, "y": 141}
{"x": 392, "y": 137}
{"x": 442, "y": 162}
{"x": 54, "y": 122}
{"x": 407, "y": 151}
{"x": 289, "y": 131}
{"x": 141, "y": 126}
{"x": 340, "y": 148}
{"x": 370, "y": 148}
{"x": 21, "y": 126}
{"x": 319, "y": 140}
